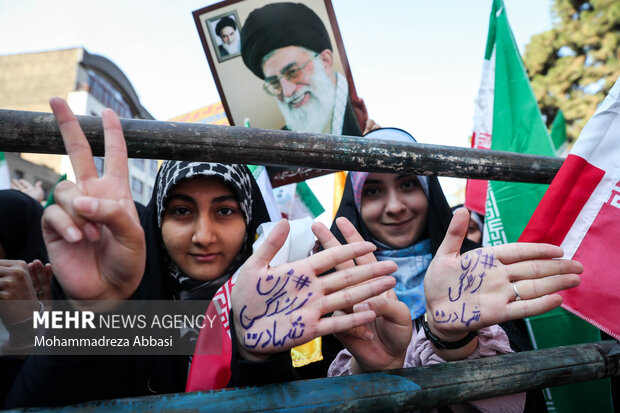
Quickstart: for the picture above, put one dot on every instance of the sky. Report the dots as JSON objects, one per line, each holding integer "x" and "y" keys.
{"x": 416, "y": 63}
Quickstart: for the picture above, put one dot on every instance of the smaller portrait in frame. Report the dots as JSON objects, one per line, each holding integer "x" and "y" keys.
{"x": 225, "y": 33}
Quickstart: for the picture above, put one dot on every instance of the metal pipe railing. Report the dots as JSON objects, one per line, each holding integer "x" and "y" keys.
{"x": 38, "y": 132}
{"x": 405, "y": 389}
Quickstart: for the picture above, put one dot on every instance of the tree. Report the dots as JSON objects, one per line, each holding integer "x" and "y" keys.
{"x": 573, "y": 66}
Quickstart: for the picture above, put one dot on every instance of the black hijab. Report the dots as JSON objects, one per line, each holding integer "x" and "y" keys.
{"x": 439, "y": 213}
{"x": 20, "y": 227}
{"x": 438, "y": 220}
{"x": 159, "y": 264}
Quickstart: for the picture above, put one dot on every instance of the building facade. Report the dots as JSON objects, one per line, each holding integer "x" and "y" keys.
{"x": 89, "y": 83}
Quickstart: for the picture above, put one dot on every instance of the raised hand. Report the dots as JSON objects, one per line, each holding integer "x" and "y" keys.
{"x": 277, "y": 308}
{"x": 478, "y": 289}
{"x": 35, "y": 191}
{"x": 382, "y": 343}
{"x": 41, "y": 276}
{"x": 16, "y": 292}
{"x": 93, "y": 235}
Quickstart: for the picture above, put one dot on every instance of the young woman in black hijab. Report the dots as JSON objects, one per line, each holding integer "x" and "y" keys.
{"x": 199, "y": 227}
{"x": 198, "y": 230}
{"x": 409, "y": 228}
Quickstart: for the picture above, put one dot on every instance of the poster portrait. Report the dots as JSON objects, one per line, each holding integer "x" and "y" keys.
{"x": 224, "y": 32}
{"x": 292, "y": 72}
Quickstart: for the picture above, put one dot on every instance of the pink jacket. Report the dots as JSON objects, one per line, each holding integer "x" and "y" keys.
{"x": 491, "y": 341}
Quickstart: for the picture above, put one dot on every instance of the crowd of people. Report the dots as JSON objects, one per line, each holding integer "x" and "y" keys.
{"x": 395, "y": 283}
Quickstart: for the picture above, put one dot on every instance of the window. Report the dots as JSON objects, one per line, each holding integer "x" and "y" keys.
{"x": 107, "y": 94}
{"x": 136, "y": 187}
{"x": 138, "y": 163}
{"x": 153, "y": 167}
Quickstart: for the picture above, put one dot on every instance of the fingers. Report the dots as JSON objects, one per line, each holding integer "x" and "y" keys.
{"x": 355, "y": 275}
{"x": 332, "y": 325}
{"x": 35, "y": 268}
{"x": 67, "y": 221}
{"x": 521, "y": 251}
{"x": 115, "y": 148}
{"x": 101, "y": 211}
{"x": 113, "y": 215}
{"x": 56, "y": 223}
{"x": 392, "y": 310}
{"x": 324, "y": 235}
{"x": 327, "y": 240}
{"x": 350, "y": 296}
{"x": 75, "y": 142}
{"x": 532, "y": 269}
{"x": 41, "y": 276}
{"x": 351, "y": 235}
{"x": 21, "y": 184}
{"x": 457, "y": 230}
{"x": 530, "y": 308}
{"x": 530, "y": 289}
{"x": 332, "y": 257}
{"x": 274, "y": 241}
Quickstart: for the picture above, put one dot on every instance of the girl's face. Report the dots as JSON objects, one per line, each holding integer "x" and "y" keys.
{"x": 203, "y": 227}
{"x": 394, "y": 208}
{"x": 473, "y": 232}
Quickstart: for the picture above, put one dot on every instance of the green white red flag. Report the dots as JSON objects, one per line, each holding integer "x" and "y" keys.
{"x": 507, "y": 118}
{"x": 580, "y": 212}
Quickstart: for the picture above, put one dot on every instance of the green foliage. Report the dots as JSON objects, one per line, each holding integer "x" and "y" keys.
{"x": 573, "y": 66}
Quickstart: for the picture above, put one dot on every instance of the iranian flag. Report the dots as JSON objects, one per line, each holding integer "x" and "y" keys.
{"x": 5, "y": 176}
{"x": 581, "y": 213}
{"x": 506, "y": 118}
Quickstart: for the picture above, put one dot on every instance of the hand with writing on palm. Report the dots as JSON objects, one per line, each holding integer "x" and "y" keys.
{"x": 475, "y": 290}
{"x": 277, "y": 308}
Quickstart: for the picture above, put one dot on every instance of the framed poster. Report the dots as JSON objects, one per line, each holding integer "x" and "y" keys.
{"x": 291, "y": 71}
{"x": 224, "y": 32}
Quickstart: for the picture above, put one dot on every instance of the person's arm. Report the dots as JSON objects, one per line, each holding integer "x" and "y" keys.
{"x": 381, "y": 344}
{"x": 467, "y": 292}
{"x": 92, "y": 232}
{"x": 464, "y": 294}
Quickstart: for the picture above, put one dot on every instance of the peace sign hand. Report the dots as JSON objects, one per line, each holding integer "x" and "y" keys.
{"x": 92, "y": 233}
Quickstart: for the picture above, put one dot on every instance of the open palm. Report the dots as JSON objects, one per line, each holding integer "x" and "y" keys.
{"x": 477, "y": 289}
{"x": 277, "y": 308}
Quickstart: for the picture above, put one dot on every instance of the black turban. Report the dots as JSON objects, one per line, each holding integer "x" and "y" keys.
{"x": 280, "y": 25}
{"x": 224, "y": 22}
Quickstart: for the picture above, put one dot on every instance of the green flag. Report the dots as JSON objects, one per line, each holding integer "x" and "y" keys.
{"x": 558, "y": 134}
{"x": 5, "y": 176}
{"x": 517, "y": 126}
